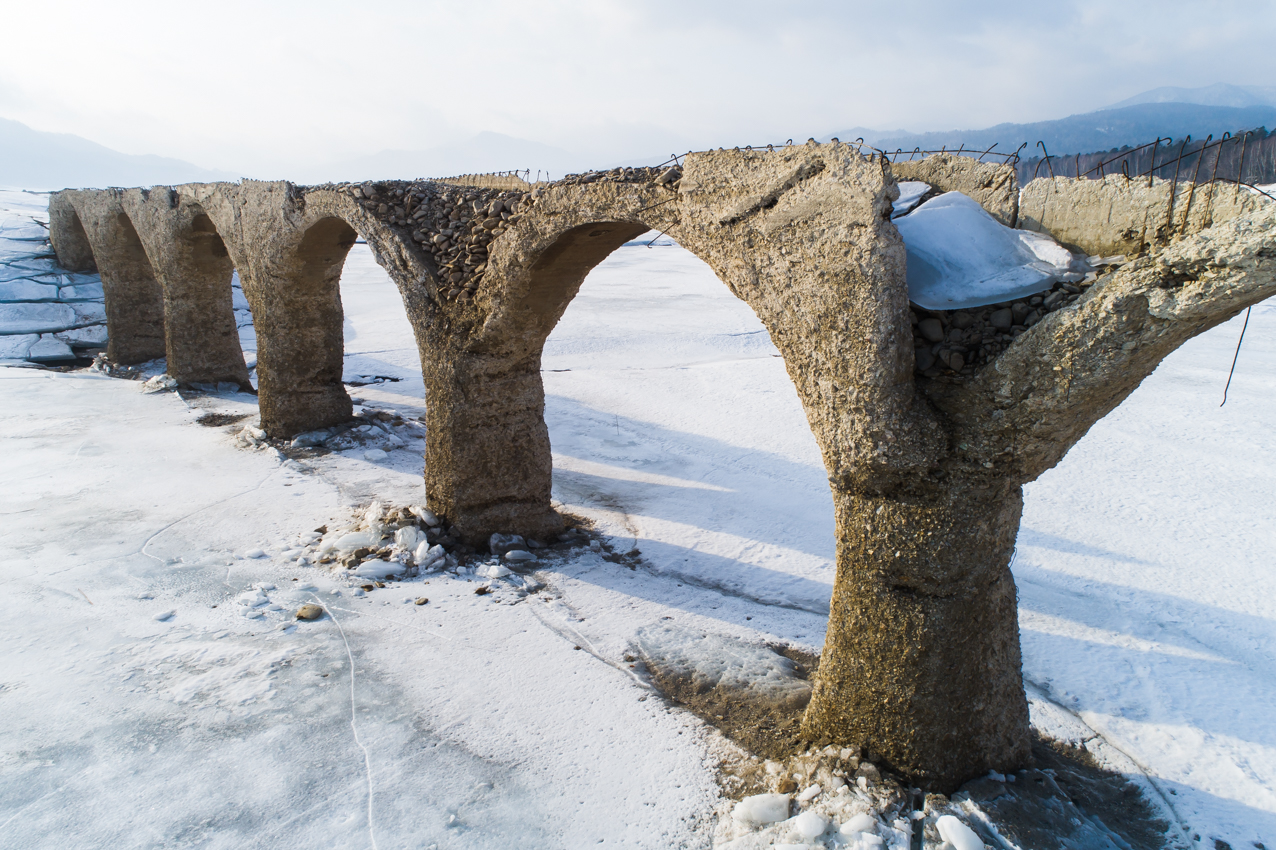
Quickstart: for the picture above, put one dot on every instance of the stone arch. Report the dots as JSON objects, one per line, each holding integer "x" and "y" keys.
{"x": 802, "y": 236}
{"x": 133, "y": 297}
{"x": 194, "y": 268}
{"x": 66, "y": 234}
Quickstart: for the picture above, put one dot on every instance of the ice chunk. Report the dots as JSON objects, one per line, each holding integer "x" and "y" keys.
{"x": 89, "y": 313}
{"x": 255, "y": 553}
{"x": 910, "y": 194}
{"x": 960, "y": 256}
{"x": 519, "y": 555}
{"x": 958, "y": 834}
{"x": 425, "y": 515}
{"x": 860, "y": 823}
{"x": 494, "y": 571}
{"x": 164, "y": 616}
{"x": 25, "y": 318}
{"x": 93, "y": 336}
{"x": 713, "y": 661}
{"x": 49, "y": 347}
{"x": 81, "y": 292}
{"x": 16, "y": 347}
{"x": 27, "y": 290}
{"x": 761, "y": 809}
{"x": 428, "y": 556}
{"x": 375, "y": 455}
{"x": 409, "y": 537}
{"x": 810, "y": 825}
{"x": 356, "y": 540}
{"x": 377, "y": 568}
{"x": 809, "y": 794}
{"x": 159, "y": 383}
{"x": 310, "y": 438}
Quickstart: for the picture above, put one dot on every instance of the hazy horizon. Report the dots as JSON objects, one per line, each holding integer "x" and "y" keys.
{"x": 295, "y": 87}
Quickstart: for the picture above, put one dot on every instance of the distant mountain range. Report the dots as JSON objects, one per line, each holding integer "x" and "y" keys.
{"x": 1219, "y": 94}
{"x": 32, "y": 159}
{"x": 35, "y": 159}
{"x": 1136, "y": 121}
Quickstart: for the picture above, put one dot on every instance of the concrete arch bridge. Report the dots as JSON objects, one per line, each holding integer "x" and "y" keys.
{"x": 921, "y": 663}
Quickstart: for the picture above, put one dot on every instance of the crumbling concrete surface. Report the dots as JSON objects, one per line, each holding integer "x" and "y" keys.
{"x": 1118, "y": 215}
{"x": 921, "y": 663}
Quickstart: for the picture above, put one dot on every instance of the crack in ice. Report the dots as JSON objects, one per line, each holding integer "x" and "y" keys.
{"x": 354, "y": 728}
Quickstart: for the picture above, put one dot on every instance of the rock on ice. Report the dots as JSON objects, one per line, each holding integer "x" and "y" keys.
{"x": 519, "y": 555}
{"x": 761, "y": 809}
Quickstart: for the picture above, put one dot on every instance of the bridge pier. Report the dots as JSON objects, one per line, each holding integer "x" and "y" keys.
{"x": 194, "y": 268}
{"x": 134, "y": 298}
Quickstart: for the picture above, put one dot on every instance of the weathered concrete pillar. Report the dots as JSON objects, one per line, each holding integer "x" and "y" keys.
{"x": 193, "y": 266}
{"x": 134, "y": 298}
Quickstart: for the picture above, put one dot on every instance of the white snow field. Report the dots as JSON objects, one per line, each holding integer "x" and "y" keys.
{"x": 156, "y": 692}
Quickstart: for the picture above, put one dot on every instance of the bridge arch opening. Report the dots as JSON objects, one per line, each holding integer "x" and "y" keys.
{"x": 334, "y": 340}
{"x": 70, "y": 241}
{"x": 673, "y": 421}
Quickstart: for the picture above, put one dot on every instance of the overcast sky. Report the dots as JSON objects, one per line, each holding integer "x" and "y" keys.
{"x": 261, "y": 86}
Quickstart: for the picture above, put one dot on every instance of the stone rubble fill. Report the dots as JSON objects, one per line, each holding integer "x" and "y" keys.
{"x": 960, "y": 342}
{"x": 456, "y": 225}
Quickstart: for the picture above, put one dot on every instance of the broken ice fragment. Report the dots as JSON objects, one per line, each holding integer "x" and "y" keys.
{"x": 910, "y": 193}
{"x": 408, "y": 538}
{"x": 810, "y": 825}
{"x": 956, "y": 833}
{"x": 761, "y": 809}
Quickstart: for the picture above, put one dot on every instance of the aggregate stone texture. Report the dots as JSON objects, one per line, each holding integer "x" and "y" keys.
{"x": 928, "y": 424}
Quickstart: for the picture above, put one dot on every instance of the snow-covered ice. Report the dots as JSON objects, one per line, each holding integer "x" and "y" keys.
{"x": 1144, "y": 565}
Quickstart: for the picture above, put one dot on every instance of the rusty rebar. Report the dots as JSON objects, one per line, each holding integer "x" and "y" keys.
{"x": 1240, "y": 170}
{"x": 1237, "y": 355}
{"x": 1191, "y": 193}
{"x": 1174, "y": 183}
